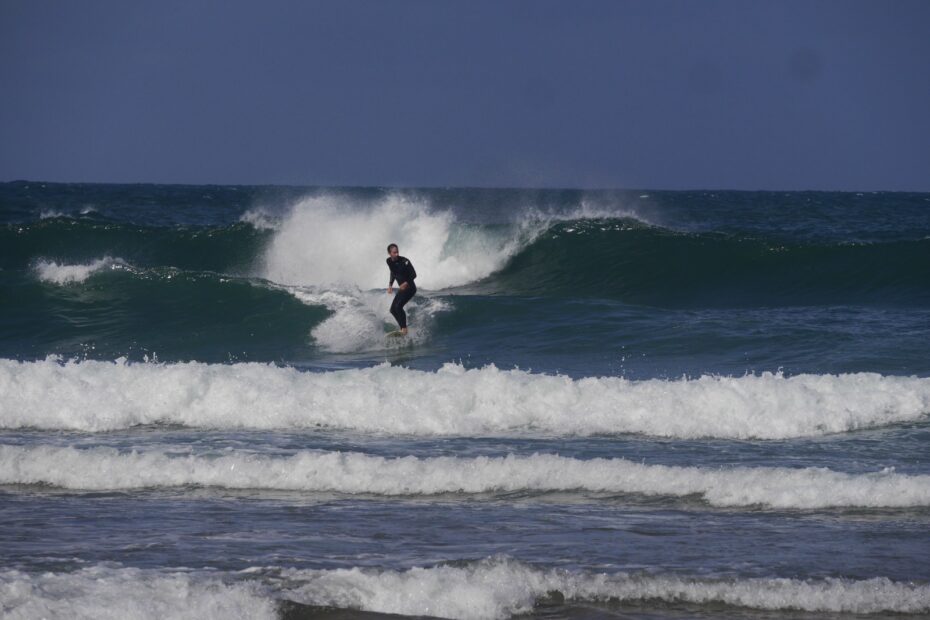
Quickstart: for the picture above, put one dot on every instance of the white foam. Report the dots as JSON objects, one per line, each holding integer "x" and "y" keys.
{"x": 494, "y": 588}
{"x": 99, "y": 396}
{"x": 102, "y": 593}
{"x": 776, "y": 487}
{"x": 361, "y": 318}
{"x": 50, "y": 271}
{"x": 499, "y": 587}
{"x": 333, "y": 241}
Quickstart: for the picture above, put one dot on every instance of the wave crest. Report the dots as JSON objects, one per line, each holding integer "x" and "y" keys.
{"x": 61, "y": 273}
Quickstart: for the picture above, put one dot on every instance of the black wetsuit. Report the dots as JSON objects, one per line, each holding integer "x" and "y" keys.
{"x": 402, "y": 270}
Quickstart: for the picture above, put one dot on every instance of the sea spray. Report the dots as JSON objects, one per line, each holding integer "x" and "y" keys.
{"x": 328, "y": 241}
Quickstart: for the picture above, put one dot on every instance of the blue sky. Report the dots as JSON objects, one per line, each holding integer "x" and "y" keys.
{"x": 628, "y": 94}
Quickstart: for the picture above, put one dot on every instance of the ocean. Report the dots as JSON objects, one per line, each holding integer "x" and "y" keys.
{"x": 611, "y": 404}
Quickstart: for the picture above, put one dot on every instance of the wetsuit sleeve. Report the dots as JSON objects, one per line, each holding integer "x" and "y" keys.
{"x": 411, "y": 271}
{"x": 391, "y": 283}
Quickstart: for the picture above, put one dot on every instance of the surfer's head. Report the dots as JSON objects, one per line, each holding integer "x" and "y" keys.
{"x": 393, "y": 251}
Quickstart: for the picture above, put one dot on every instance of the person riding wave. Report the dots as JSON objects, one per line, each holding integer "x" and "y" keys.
{"x": 403, "y": 272}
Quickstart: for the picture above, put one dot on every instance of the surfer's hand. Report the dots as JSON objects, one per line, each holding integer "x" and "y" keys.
{"x": 390, "y": 290}
{"x": 403, "y": 286}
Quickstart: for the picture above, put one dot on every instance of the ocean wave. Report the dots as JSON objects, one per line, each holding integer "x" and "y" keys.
{"x": 623, "y": 260}
{"x": 231, "y": 249}
{"x": 500, "y": 587}
{"x": 60, "y": 273}
{"x": 355, "y": 473}
{"x": 586, "y": 251}
{"x": 491, "y": 589}
{"x": 337, "y": 242}
{"x": 50, "y": 214}
{"x": 129, "y": 594}
{"x": 101, "y": 396}
{"x": 325, "y": 241}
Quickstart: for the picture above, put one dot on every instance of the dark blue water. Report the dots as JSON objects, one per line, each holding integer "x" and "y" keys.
{"x": 658, "y": 404}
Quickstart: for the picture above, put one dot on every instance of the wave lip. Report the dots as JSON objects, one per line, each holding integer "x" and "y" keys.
{"x": 355, "y": 473}
{"x": 499, "y": 587}
{"x": 453, "y": 401}
{"x": 55, "y": 273}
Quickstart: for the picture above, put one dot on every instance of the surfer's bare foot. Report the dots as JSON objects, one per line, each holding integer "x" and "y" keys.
{"x": 403, "y": 331}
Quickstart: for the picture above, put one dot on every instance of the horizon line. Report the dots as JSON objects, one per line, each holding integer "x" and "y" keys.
{"x": 468, "y": 187}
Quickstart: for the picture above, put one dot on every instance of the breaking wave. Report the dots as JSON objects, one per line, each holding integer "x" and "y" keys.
{"x": 101, "y": 396}
{"x": 491, "y": 589}
{"x": 355, "y": 473}
{"x": 500, "y": 587}
{"x": 129, "y": 594}
{"x": 55, "y": 273}
{"x": 325, "y": 242}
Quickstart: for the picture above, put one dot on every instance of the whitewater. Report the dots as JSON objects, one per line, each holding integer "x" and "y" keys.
{"x": 100, "y": 396}
{"x": 491, "y": 590}
{"x": 354, "y": 473}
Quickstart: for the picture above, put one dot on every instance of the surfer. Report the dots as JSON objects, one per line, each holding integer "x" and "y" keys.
{"x": 401, "y": 270}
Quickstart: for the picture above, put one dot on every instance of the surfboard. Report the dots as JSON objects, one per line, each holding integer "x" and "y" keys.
{"x": 395, "y": 334}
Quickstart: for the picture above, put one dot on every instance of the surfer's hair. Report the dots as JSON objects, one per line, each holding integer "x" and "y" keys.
{"x": 393, "y": 245}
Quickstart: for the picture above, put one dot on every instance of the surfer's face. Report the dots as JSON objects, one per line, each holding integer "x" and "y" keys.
{"x": 394, "y": 252}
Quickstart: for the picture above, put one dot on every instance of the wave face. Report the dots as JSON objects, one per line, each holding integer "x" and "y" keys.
{"x": 627, "y": 261}
{"x": 353, "y": 473}
{"x": 99, "y": 396}
{"x": 587, "y": 251}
